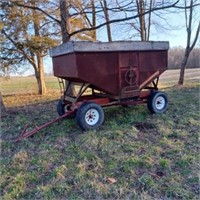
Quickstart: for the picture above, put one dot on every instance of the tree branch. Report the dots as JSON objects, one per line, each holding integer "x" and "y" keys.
{"x": 35, "y": 8}
{"x": 187, "y": 7}
{"x": 196, "y": 37}
{"x": 20, "y": 50}
{"x": 123, "y": 19}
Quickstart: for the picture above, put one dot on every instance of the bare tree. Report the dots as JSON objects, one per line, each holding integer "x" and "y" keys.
{"x": 126, "y": 6}
{"x": 176, "y": 55}
{"x": 106, "y": 14}
{"x": 39, "y": 67}
{"x": 94, "y": 34}
{"x": 64, "y": 17}
{"x": 189, "y": 45}
{"x": 128, "y": 9}
{"x": 141, "y": 10}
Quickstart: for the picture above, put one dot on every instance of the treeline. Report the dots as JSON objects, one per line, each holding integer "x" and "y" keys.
{"x": 176, "y": 55}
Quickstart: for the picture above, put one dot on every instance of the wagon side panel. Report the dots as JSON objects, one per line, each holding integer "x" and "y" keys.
{"x": 99, "y": 69}
{"x": 128, "y": 74}
{"x": 65, "y": 66}
{"x": 151, "y": 65}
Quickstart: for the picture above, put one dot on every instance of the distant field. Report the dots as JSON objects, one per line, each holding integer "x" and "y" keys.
{"x": 24, "y": 85}
{"x": 170, "y": 77}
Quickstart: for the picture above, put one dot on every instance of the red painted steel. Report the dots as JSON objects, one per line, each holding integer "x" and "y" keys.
{"x": 122, "y": 74}
{"x": 25, "y": 134}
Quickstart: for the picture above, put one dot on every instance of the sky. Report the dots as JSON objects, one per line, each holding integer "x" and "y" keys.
{"x": 176, "y": 36}
{"x": 171, "y": 29}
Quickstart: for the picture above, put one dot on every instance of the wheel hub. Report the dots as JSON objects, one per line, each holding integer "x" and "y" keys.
{"x": 160, "y": 103}
{"x": 92, "y": 116}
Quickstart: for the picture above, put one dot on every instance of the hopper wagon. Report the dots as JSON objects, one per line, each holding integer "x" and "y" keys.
{"x": 94, "y": 75}
{"x": 101, "y": 74}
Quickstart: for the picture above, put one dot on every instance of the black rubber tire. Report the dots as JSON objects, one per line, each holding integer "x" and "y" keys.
{"x": 82, "y": 113}
{"x": 157, "y": 102}
{"x": 61, "y": 109}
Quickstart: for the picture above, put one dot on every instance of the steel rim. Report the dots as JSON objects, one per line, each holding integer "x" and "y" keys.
{"x": 160, "y": 103}
{"x": 67, "y": 108}
{"x": 92, "y": 116}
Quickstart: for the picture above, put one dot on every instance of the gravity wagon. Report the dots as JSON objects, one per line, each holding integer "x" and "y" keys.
{"x": 94, "y": 75}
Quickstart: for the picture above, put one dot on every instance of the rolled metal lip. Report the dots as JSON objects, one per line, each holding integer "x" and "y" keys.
{"x": 87, "y": 46}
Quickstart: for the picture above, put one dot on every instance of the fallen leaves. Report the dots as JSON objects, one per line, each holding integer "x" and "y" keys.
{"x": 111, "y": 180}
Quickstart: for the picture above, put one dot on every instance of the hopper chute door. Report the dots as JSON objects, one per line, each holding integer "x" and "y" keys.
{"x": 129, "y": 79}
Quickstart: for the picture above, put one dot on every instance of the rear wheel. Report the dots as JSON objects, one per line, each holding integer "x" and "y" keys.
{"x": 90, "y": 116}
{"x": 63, "y": 108}
{"x": 157, "y": 102}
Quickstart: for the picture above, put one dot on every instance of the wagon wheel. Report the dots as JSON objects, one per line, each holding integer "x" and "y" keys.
{"x": 63, "y": 108}
{"x": 157, "y": 102}
{"x": 90, "y": 116}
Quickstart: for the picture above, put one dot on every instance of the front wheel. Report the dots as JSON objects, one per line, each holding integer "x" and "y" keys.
{"x": 157, "y": 102}
{"x": 90, "y": 116}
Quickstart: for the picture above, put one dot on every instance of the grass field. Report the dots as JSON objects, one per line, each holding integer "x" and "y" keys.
{"x": 27, "y": 84}
{"x": 134, "y": 155}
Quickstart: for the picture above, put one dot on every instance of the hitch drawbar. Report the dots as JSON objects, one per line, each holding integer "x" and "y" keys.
{"x": 25, "y": 134}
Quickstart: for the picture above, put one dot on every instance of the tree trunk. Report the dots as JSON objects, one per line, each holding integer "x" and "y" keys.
{"x": 105, "y": 9}
{"x": 189, "y": 47}
{"x": 141, "y": 11}
{"x": 40, "y": 83}
{"x": 40, "y": 76}
{"x": 94, "y": 34}
{"x": 149, "y": 22}
{"x": 64, "y": 15}
{"x": 183, "y": 65}
{"x": 39, "y": 67}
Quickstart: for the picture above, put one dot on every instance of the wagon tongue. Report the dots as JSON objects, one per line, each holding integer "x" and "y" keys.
{"x": 26, "y": 134}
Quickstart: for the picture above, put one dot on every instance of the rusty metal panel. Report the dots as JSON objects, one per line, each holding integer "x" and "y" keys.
{"x": 129, "y": 79}
{"x": 127, "y": 59}
{"x": 65, "y": 66}
{"x": 147, "y": 77}
{"x": 118, "y": 73}
{"x": 128, "y": 74}
{"x": 152, "y": 60}
{"x": 151, "y": 65}
{"x": 99, "y": 69}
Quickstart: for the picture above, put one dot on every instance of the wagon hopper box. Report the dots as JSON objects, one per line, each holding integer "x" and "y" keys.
{"x": 118, "y": 73}
{"x": 120, "y": 69}
{"x": 93, "y": 75}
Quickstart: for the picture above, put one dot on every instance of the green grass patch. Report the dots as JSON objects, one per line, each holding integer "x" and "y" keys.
{"x": 134, "y": 155}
